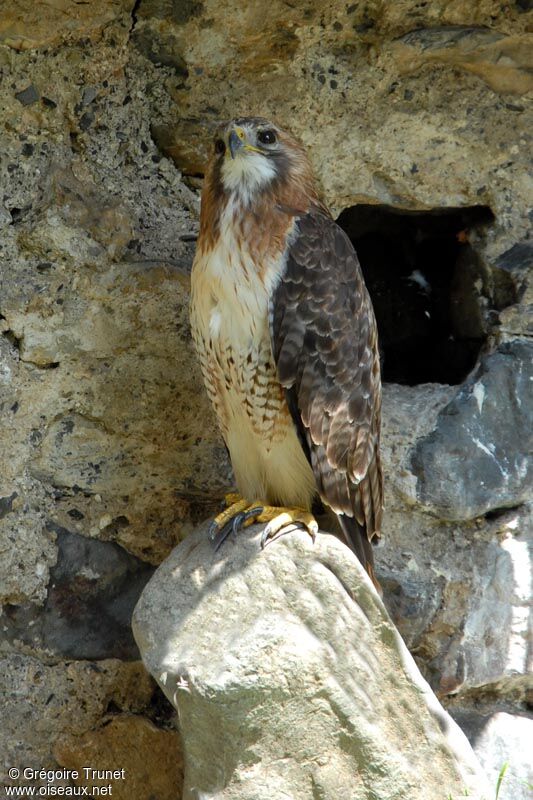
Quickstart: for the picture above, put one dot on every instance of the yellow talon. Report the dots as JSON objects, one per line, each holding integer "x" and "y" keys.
{"x": 234, "y": 505}
{"x": 231, "y": 498}
{"x": 240, "y": 514}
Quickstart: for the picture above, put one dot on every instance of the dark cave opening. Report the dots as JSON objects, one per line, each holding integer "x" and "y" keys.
{"x": 426, "y": 283}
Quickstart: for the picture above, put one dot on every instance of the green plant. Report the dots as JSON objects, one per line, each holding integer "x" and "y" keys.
{"x": 501, "y": 776}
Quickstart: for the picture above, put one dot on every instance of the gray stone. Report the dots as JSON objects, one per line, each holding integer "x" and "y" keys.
{"x": 513, "y": 290}
{"x": 519, "y": 258}
{"x": 161, "y": 49}
{"x": 289, "y": 678}
{"x": 499, "y": 739}
{"x": 89, "y": 94}
{"x": 6, "y": 505}
{"x": 92, "y": 592}
{"x": 479, "y": 457}
{"x": 459, "y": 592}
{"x": 28, "y": 96}
{"x": 462, "y": 600}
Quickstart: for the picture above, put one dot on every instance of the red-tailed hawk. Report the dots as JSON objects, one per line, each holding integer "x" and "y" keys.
{"x": 287, "y": 341}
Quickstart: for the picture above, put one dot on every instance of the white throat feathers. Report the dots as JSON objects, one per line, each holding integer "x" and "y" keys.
{"x": 246, "y": 174}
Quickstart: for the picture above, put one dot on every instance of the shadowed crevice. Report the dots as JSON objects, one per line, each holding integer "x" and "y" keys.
{"x": 430, "y": 289}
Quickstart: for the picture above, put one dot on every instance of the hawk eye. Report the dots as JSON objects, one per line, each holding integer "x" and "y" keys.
{"x": 220, "y": 147}
{"x": 266, "y": 137}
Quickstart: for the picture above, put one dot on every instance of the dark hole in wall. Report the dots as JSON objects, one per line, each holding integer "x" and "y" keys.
{"x": 426, "y": 283}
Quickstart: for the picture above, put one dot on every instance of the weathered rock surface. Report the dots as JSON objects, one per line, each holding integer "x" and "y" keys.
{"x": 93, "y": 589}
{"x": 480, "y": 456}
{"x": 106, "y": 397}
{"x": 290, "y": 679}
{"x": 23, "y": 26}
{"x": 151, "y": 758}
{"x": 516, "y": 319}
{"x": 498, "y": 740}
{"x": 460, "y": 593}
{"x": 406, "y": 92}
{"x": 106, "y": 112}
{"x": 41, "y": 703}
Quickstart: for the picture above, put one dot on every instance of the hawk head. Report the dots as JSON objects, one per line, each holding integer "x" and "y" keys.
{"x": 252, "y": 155}
{"x": 262, "y": 173}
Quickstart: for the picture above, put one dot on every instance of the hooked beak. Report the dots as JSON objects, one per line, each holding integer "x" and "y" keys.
{"x": 236, "y": 141}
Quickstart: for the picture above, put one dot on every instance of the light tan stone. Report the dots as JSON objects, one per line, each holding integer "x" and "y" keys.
{"x": 504, "y": 63}
{"x": 26, "y": 25}
{"x": 148, "y": 758}
{"x": 283, "y": 663}
{"x": 374, "y": 90}
{"x": 43, "y": 703}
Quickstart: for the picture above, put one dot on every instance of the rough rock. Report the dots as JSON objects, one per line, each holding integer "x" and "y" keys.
{"x": 289, "y": 678}
{"x": 459, "y": 593}
{"x": 109, "y": 363}
{"x": 43, "y": 703}
{"x": 499, "y": 739}
{"x": 464, "y": 606}
{"x": 151, "y": 758}
{"x": 406, "y": 93}
{"x": 86, "y": 615}
{"x": 107, "y": 112}
{"x": 474, "y": 49}
{"x": 23, "y": 26}
{"x": 478, "y": 458}
{"x": 516, "y": 316}
{"x": 93, "y": 313}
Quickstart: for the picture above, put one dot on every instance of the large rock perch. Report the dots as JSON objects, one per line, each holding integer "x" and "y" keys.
{"x": 290, "y": 680}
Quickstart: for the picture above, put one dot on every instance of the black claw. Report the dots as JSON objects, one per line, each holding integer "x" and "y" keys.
{"x": 252, "y": 512}
{"x": 234, "y": 525}
{"x": 237, "y": 521}
{"x": 266, "y": 537}
{"x": 222, "y": 535}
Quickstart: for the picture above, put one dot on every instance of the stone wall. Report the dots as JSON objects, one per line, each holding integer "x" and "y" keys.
{"x": 416, "y": 119}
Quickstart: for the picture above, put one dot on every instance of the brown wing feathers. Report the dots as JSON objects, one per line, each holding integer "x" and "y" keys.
{"x": 325, "y": 346}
